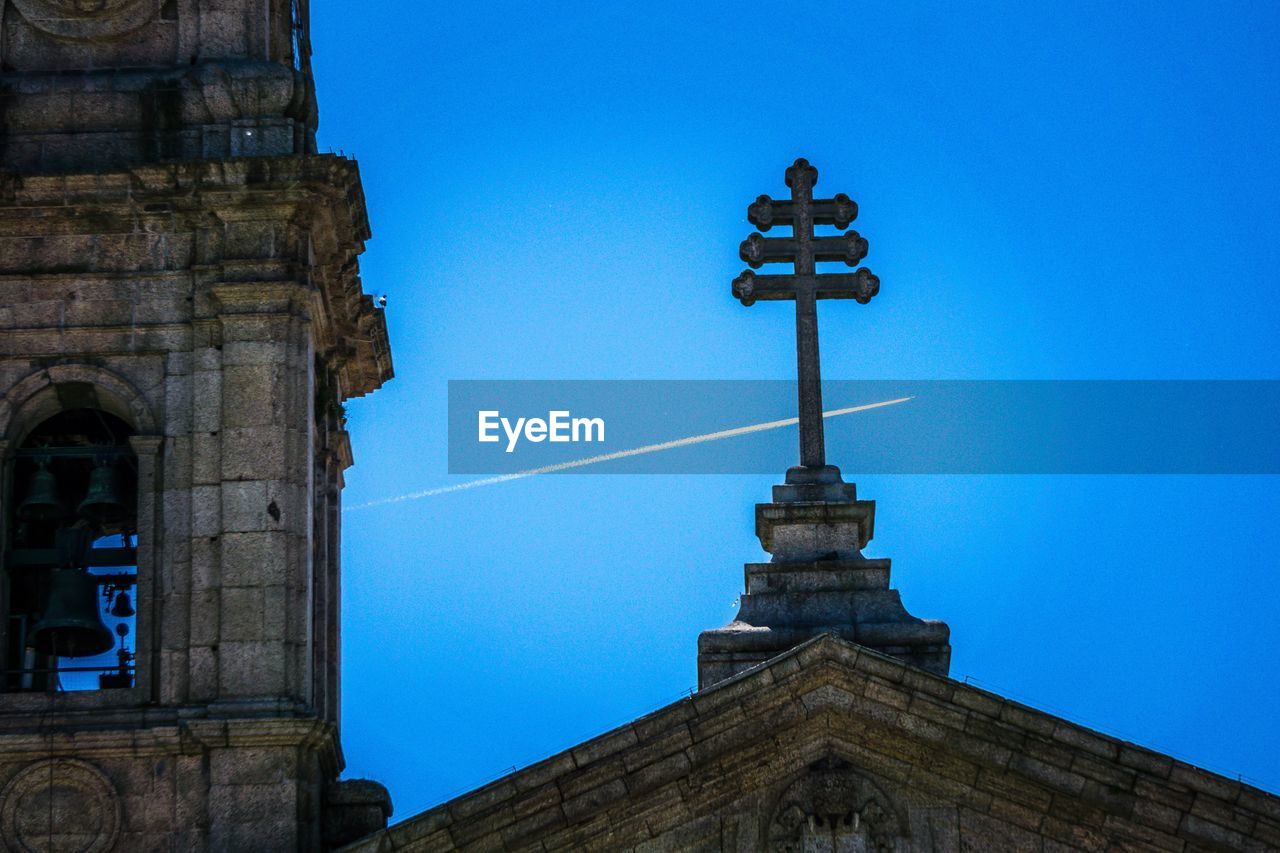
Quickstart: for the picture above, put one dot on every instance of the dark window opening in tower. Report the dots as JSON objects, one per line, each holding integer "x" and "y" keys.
{"x": 70, "y": 568}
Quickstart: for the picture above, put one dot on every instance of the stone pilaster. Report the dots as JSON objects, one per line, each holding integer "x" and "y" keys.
{"x": 266, "y": 487}
{"x": 147, "y": 449}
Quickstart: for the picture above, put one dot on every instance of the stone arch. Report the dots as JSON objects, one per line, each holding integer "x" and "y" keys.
{"x": 44, "y": 393}
{"x": 40, "y": 398}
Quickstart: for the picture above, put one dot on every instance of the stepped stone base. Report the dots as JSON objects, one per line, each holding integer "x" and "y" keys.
{"x": 788, "y": 603}
{"x": 818, "y": 583}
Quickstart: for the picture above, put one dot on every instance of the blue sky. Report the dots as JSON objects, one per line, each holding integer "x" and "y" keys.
{"x": 1050, "y": 191}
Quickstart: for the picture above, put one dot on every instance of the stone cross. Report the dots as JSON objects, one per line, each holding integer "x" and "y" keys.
{"x": 805, "y": 286}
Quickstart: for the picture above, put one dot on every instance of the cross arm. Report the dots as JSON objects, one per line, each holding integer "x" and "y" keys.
{"x": 848, "y": 248}
{"x": 860, "y": 285}
{"x": 765, "y": 212}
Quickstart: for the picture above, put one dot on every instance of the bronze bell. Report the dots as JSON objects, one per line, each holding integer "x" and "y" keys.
{"x": 41, "y": 502}
{"x": 71, "y": 626}
{"x": 123, "y": 608}
{"x": 102, "y": 503}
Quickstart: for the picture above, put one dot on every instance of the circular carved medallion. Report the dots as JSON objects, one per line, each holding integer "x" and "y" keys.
{"x": 87, "y": 19}
{"x": 60, "y": 806}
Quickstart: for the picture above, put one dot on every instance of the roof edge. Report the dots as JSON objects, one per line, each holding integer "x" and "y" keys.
{"x": 821, "y": 650}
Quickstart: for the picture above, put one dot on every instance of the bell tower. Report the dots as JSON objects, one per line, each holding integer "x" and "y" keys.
{"x": 181, "y": 322}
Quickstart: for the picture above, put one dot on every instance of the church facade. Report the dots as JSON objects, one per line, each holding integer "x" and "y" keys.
{"x": 181, "y": 320}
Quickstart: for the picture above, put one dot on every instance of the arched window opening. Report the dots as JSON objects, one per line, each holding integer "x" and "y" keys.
{"x": 71, "y": 566}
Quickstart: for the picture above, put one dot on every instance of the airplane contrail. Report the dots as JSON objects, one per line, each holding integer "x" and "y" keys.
{"x": 620, "y": 454}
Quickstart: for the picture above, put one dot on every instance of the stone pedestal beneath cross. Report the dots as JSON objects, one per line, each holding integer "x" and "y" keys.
{"x": 818, "y": 581}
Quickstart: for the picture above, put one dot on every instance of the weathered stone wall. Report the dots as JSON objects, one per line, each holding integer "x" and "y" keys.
{"x": 171, "y": 251}
{"x": 190, "y": 785}
{"x": 156, "y": 79}
{"x": 215, "y": 307}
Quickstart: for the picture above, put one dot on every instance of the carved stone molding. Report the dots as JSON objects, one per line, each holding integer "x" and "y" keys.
{"x": 833, "y": 808}
{"x": 60, "y": 805}
{"x": 84, "y": 20}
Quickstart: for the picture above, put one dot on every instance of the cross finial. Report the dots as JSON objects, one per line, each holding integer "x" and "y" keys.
{"x": 805, "y": 250}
